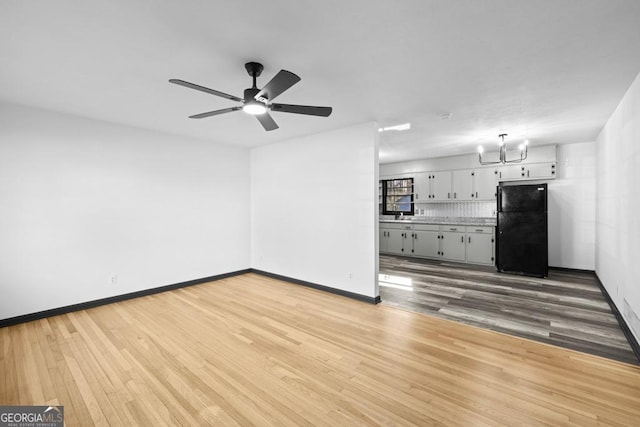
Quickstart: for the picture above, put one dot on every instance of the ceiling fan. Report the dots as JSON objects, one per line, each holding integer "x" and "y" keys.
{"x": 258, "y": 102}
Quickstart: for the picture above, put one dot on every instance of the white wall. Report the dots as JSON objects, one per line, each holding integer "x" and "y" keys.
{"x": 82, "y": 200}
{"x": 336, "y": 245}
{"x": 572, "y": 209}
{"x": 618, "y": 207}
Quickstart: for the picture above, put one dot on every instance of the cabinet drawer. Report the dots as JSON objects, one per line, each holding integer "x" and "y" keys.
{"x": 395, "y": 226}
{"x": 478, "y": 229}
{"x": 426, "y": 227}
{"x": 458, "y": 228}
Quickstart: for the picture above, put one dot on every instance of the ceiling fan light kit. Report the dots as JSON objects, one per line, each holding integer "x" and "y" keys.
{"x": 257, "y": 102}
{"x": 502, "y": 158}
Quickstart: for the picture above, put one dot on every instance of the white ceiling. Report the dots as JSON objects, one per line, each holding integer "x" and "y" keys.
{"x": 549, "y": 70}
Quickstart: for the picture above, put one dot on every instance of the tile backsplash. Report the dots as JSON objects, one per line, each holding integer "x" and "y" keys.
{"x": 456, "y": 209}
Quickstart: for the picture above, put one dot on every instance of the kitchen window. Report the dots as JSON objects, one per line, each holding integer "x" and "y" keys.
{"x": 397, "y": 196}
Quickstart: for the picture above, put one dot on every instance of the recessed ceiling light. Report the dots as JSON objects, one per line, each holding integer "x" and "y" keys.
{"x": 445, "y": 116}
{"x": 404, "y": 126}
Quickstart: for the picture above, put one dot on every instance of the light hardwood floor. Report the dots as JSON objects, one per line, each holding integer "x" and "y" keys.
{"x": 251, "y": 350}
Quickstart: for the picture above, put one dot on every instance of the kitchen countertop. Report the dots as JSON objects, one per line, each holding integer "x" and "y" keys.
{"x": 486, "y": 222}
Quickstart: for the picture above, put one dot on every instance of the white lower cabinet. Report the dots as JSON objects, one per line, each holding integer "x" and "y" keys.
{"x": 396, "y": 239}
{"x": 480, "y": 245}
{"x": 426, "y": 240}
{"x": 470, "y": 244}
{"x": 396, "y": 242}
{"x": 452, "y": 243}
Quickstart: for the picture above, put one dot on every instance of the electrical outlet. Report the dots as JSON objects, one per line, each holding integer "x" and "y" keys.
{"x": 113, "y": 279}
{"x": 350, "y": 276}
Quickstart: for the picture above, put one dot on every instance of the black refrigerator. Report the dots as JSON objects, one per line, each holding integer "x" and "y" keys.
{"x": 522, "y": 246}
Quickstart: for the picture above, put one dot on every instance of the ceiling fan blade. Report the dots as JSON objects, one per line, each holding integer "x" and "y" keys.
{"x": 281, "y": 82}
{"x": 302, "y": 109}
{"x": 204, "y": 89}
{"x": 214, "y": 113}
{"x": 267, "y": 121}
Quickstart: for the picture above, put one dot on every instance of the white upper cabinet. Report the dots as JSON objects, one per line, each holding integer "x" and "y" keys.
{"x": 510, "y": 173}
{"x": 485, "y": 181}
{"x": 475, "y": 184}
{"x": 541, "y": 171}
{"x": 421, "y": 187}
{"x": 463, "y": 185}
{"x": 527, "y": 171}
{"x": 440, "y": 186}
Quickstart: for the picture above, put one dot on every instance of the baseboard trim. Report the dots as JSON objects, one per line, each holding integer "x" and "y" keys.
{"x": 623, "y": 324}
{"x": 96, "y": 303}
{"x": 359, "y": 297}
{"x": 572, "y": 270}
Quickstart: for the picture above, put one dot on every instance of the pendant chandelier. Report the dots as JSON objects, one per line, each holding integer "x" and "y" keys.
{"x": 503, "y": 152}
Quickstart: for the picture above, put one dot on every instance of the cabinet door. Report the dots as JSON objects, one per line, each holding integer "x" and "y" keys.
{"x": 426, "y": 244}
{"x": 441, "y": 186}
{"x": 421, "y": 187}
{"x": 452, "y": 246}
{"x": 384, "y": 241}
{"x": 484, "y": 184}
{"x": 395, "y": 242}
{"x": 480, "y": 248}
{"x": 541, "y": 171}
{"x": 463, "y": 185}
{"x": 511, "y": 172}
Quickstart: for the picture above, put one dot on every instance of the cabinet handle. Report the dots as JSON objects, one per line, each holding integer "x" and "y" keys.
{"x": 469, "y": 239}
{"x": 461, "y": 239}
{"x": 527, "y": 173}
{"x": 471, "y": 194}
{"x": 455, "y": 195}
{"x": 448, "y": 195}
{"x": 476, "y": 194}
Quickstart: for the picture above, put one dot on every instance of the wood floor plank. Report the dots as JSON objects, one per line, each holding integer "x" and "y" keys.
{"x": 252, "y": 350}
{"x": 565, "y": 309}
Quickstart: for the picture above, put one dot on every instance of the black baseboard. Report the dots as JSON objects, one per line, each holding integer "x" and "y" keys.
{"x": 359, "y": 297}
{"x": 572, "y": 270}
{"x": 623, "y": 324}
{"x": 95, "y": 303}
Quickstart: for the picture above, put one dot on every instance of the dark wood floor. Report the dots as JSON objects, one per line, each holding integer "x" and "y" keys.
{"x": 566, "y": 309}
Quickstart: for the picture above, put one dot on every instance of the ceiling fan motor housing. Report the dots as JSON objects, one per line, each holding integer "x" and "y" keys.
{"x": 249, "y": 94}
